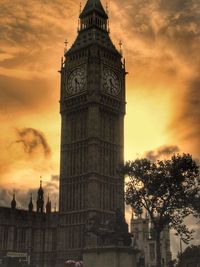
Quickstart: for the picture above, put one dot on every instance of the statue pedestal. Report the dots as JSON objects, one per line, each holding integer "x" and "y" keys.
{"x": 110, "y": 257}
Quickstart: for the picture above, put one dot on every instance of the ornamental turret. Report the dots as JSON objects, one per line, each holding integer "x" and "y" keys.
{"x": 40, "y": 199}
{"x": 48, "y": 206}
{"x": 13, "y": 203}
{"x": 30, "y": 205}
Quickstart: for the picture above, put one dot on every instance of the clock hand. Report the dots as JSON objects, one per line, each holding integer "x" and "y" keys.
{"x": 112, "y": 85}
{"x": 76, "y": 81}
{"x": 77, "y": 84}
{"x": 111, "y": 82}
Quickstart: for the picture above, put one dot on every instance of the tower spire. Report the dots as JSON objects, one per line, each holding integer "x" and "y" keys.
{"x": 40, "y": 181}
{"x": 93, "y": 5}
{"x": 48, "y": 205}
{"x": 13, "y": 202}
{"x": 30, "y": 205}
{"x": 40, "y": 198}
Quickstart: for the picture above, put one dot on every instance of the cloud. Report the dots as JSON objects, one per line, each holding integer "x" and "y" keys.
{"x": 33, "y": 140}
{"x": 161, "y": 152}
{"x": 25, "y": 155}
{"x": 18, "y": 96}
{"x": 162, "y": 42}
{"x": 55, "y": 178}
{"x": 187, "y": 123}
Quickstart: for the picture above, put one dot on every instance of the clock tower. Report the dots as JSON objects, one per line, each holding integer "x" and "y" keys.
{"x": 92, "y": 107}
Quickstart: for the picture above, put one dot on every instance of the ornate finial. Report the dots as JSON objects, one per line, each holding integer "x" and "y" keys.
{"x": 107, "y": 10}
{"x": 66, "y": 45}
{"x": 61, "y": 64}
{"x": 80, "y": 11}
{"x": 40, "y": 181}
{"x": 120, "y": 47}
{"x": 13, "y": 202}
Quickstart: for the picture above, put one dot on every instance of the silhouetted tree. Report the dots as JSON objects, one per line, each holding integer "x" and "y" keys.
{"x": 172, "y": 263}
{"x": 190, "y": 257}
{"x": 166, "y": 190}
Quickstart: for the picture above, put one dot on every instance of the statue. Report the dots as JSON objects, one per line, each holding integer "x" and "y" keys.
{"x": 113, "y": 232}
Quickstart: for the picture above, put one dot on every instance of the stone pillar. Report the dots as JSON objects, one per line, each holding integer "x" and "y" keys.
{"x": 110, "y": 257}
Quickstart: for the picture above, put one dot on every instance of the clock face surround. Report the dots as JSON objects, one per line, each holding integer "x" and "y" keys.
{"x": 76, "y": 81}
{"x": 111, "y": 82}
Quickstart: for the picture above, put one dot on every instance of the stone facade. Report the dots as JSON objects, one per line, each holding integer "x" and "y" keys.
{"x": 92, "y": 108}
{"x": 144, "y": 240}
{"x": 110, "y": 257}
{"x": 31, "y": 234}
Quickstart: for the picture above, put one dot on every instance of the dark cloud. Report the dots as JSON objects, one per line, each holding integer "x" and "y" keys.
{"x": 174, "y": 5}
{"x": 186, "y": 124}
{"x": 163, "y": 37}
{"x": 33, "y": 140}
{"x": 161, "y": 152}
{"x": 24, "y": 21}
{"x": 174, "y": 24}
{"x": 17, "y": 95}
{"x": 192, "y": 107}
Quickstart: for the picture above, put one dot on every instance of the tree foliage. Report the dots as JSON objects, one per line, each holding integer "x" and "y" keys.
{"x": 190, "y": 257}
{"x": 166, "y": 189}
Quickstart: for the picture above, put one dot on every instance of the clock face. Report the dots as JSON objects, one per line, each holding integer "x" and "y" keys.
{"x": 111, "y": 83}
{"x": 76, "y": 81}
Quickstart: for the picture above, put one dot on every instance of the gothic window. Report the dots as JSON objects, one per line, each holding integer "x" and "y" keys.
{"x": 5, "y": 237}
{"x": 1, "y": 237}
{"x": 136, "y": 233}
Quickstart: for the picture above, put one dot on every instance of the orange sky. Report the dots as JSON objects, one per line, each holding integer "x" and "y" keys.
{"x": 161, "y": 41}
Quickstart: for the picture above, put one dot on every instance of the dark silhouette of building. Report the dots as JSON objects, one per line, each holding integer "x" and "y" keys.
{"x": 92, "y": 107}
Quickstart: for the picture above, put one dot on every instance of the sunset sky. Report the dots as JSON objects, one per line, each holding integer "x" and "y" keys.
{"x": 161, "y": 44}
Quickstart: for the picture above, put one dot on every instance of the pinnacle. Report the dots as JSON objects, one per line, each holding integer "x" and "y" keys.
{"x": 93, "y": 5}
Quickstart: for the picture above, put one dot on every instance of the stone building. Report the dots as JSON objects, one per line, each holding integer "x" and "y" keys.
{"x": 28, "y": 236}
{"x": 144, "y": 240}
{"x": 92, "y": 107}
